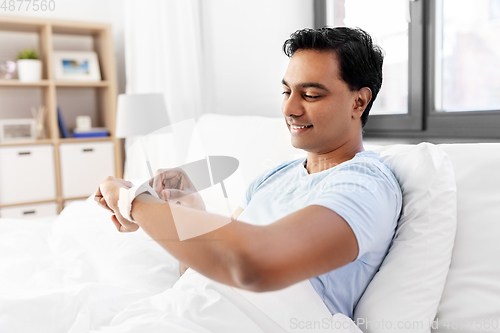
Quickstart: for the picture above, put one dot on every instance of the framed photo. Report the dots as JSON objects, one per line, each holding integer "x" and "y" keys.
{"x": 76, "y": 66}
{"x": 17, "y": 129}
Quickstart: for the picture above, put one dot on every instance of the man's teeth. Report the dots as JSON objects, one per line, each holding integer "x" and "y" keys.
{"x": 297, "y": 127}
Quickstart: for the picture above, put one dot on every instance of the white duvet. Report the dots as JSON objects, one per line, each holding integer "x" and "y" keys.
{"x": 78, "y": 274}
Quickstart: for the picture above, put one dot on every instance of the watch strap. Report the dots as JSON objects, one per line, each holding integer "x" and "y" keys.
{"x": 128, "y": 195}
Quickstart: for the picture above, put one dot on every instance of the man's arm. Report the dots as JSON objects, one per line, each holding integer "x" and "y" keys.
{"x": 183, "y": 268}
{"x": 304, "y": 244}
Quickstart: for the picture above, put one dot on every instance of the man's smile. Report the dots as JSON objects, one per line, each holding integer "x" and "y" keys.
{"x": 296, "y": 129}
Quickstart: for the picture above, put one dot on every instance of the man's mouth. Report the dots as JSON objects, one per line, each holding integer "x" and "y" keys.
{"x": 296, "y": 127}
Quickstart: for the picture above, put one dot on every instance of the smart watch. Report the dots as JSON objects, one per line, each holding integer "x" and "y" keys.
{"x": 127, "y": 195}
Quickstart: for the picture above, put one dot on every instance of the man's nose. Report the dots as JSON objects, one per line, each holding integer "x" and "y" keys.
{"x": 291, "y": 106}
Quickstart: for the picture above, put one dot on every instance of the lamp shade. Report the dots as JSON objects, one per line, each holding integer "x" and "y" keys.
{"x": 140, "y": 114}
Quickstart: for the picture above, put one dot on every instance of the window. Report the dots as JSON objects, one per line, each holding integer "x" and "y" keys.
{"x": 441, "y": 67}
{"x": 467, "y": 56}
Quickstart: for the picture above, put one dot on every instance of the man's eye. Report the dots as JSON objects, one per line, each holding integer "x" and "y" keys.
{"x": 310, "y": 96}
{"x": 286, "y": 93}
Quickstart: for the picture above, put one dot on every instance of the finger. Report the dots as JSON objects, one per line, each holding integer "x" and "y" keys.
{"x": 175, "y": 194}
{"x": 157, "y": 184}
{"x": 164, "y": 194}
{"x": 98, "y": 194}
{"x": 128, "y": 225}
{"x": 183, "y": 181}
{"x": 160, "y": 171}
{"x": 172, "y": 173}
{"x": 116, "y": 223}
{"x": 102, "y": 203}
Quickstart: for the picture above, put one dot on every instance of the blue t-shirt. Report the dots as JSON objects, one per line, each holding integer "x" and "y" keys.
{"x": 363, "y": 191}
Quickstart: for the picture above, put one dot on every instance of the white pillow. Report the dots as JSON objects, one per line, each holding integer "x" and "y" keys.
{"x": 471, "y": 298}
{"x": 404, "y": 294}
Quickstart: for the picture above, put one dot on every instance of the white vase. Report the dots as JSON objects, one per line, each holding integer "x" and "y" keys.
{"x": 29, "y": 70}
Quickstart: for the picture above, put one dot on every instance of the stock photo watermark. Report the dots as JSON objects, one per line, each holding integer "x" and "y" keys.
{"x": 27, "y": 5}
{"x": 485, "y": 325}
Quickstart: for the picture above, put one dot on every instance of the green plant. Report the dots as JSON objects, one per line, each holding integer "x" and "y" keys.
{"x": 27, "y": 54}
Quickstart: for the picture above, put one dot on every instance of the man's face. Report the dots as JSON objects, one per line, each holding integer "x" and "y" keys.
{"x": 315, "y": 96}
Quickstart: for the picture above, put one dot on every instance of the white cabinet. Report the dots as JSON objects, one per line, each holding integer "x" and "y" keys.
{"x": 27, "y": 174}
{"x": 29, "y": 211}
{"x": 84, "y": 166}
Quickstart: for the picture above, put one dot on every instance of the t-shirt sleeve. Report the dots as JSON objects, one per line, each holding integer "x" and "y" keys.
{"x": 250, "y": 191}
{"x": 368, "y": 198}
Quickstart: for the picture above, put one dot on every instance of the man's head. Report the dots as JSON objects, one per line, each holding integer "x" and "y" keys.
{"x": 360, "y": 60}
{"x": 330, "y": 84}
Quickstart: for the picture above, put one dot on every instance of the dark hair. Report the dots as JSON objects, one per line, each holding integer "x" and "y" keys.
{"x": 360, "y": 59}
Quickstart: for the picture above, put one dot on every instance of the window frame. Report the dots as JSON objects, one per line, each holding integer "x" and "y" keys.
{"x": 474, "y": 123}
{"x": 423, "y": 121}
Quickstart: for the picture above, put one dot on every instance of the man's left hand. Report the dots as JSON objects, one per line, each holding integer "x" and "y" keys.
{"x": 107, "y": 197}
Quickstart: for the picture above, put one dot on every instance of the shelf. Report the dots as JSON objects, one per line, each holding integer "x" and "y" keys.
{"x": 77, "y": 198}
{"x": 28, "y": 203}
{"x": 76, "y": 140}
{"x": 78, "y": 28}
{"x": 12, "y": 23}
{"x": 45, "y": 83}
{"x": 17, "y": 83}
{"x": 26, "y": 143}
{"x": 81, "y": 84}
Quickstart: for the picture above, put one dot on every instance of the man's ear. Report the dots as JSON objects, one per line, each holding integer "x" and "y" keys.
{"x": 362, "y": 97}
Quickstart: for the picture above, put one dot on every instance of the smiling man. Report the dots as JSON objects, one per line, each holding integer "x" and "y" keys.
{"x": 328, "y": 218}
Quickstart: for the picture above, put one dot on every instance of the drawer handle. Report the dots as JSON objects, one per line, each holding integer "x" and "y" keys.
{"x": 88, "y": 150}
{"x": 29, "y": 212}
{"x": 24, "y": 153}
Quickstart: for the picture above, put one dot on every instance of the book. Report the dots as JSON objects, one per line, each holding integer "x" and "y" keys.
{"x": 93, "y": 132}
{"x": 62, "y": 124}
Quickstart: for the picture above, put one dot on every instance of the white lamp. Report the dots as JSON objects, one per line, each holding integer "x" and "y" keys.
{"x": 140, "y": 114}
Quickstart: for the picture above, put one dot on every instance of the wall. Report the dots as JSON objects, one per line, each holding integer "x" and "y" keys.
{"x": 244, "y": 60}
{"x": 242, "y": 45}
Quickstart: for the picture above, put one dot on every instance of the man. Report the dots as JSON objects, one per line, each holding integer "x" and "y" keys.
{"x": 329, "y": 218}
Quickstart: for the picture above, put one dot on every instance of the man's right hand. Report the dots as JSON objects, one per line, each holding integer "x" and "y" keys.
{"x": 174, "y": 186}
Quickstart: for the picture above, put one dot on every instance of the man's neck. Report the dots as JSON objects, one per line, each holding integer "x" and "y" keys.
{"x": 319, "y": 162}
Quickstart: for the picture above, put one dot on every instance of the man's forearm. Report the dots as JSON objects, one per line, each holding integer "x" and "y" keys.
{"x": 217, "y": 254}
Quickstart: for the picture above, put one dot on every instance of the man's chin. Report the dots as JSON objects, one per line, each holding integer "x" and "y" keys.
{"x": 299, "y": 144}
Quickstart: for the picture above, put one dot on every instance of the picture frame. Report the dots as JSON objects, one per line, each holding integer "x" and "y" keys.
{"x": 17, "y": 129}
{"x": 76, "y": 66}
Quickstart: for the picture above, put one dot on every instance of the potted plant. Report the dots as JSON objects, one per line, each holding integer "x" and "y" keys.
{"x": 29, "y": 68}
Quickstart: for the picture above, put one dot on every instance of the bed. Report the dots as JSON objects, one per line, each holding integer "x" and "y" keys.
{"x": 76, "y": 273}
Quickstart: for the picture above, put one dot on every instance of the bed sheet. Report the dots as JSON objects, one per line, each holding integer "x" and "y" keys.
{"x": 76, "y": 273}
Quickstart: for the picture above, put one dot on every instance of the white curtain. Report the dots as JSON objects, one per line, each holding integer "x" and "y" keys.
{"x": 163, "y": 54}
